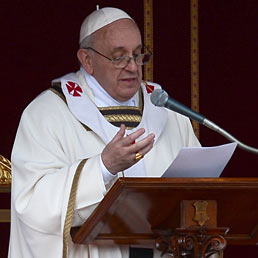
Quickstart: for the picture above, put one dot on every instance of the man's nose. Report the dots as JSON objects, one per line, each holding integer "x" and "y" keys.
{"x": 131, "y": 66}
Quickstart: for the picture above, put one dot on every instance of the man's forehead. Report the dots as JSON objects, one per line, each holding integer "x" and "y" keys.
{"x": 119, "y": 29}
{"x": 120, "y": 24}
{"x": 122, "y": 48}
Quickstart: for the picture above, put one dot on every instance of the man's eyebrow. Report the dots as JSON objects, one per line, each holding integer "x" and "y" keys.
{"x": 122, "y": 48}
{"x": 139, "y": 47}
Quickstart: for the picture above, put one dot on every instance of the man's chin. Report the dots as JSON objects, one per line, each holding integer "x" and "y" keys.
{"x": 128, "y": 94}
{"x": 127, "y": 89}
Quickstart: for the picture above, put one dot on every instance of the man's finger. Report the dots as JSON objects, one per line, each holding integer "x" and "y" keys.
{"x": 149, "y": 140}
{"x": 130, "y": 139}
{"x": 146, "y": 148}
{"x": 120, "y": 134}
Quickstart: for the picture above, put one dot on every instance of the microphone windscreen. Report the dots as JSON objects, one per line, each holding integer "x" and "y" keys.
{"x": 159, "y": 98}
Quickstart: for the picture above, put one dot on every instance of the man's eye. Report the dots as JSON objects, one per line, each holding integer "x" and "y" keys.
{"x": 137, "y": 54}
{"x": 119, "y": 58}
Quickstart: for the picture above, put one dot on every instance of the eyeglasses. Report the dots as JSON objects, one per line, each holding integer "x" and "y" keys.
{"x": 123, "y": 61}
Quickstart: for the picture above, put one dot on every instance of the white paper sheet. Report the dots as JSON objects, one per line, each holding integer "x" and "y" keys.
{"x": 201, "y": 161}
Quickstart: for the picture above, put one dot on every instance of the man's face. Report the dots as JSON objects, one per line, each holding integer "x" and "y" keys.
{"x": 120, "y": 38}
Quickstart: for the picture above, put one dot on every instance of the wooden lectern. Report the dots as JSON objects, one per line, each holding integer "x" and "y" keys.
{"x": 181, "y": 216}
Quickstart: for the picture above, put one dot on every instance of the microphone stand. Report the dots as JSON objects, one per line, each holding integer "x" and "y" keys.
{"x": 227, "y": 135}
{"x": 160, "y": 98}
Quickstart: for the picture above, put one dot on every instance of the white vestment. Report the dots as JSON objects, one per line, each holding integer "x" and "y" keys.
{"x": 50, "y": 143}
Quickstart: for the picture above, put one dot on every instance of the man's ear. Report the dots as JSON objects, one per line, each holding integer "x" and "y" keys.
{"x": 85, "y": 60}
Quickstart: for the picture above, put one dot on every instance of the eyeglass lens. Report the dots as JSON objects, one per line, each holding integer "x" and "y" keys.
{"x": 139, "y": 60}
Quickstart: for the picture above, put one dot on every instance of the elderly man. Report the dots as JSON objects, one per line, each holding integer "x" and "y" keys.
{"x": 92, "y": 126}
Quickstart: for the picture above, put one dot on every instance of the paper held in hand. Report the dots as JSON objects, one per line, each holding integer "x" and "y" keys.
{"x": 201, "y": 161}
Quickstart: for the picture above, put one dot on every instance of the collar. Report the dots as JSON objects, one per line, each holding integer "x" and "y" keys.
{"x": 80, "y": 101}
{"x": 102, "y": 98}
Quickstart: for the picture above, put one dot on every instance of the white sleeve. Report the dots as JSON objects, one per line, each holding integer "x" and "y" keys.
{"x": 44, "y": 162}
{"x": 107, "y": 176}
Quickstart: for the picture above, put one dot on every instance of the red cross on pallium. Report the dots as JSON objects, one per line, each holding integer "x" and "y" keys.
{"x": 149, "y": 88}
{"x": 74, "y": 89}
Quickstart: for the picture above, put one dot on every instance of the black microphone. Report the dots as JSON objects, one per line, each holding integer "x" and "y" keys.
{"x": 160, "y": 98}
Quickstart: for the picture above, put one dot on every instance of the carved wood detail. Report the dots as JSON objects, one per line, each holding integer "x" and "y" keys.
{"x": 5, "y": 171}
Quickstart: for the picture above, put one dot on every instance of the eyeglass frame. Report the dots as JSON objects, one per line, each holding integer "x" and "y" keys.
{"x": 129, "y": 60}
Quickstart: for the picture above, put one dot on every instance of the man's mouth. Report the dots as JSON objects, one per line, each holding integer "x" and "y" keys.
{"x": 128, "y": 79}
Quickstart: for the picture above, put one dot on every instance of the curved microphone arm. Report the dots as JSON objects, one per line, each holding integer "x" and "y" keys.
{"x": 227, "y": 135}
{"x": 160, "y": 98}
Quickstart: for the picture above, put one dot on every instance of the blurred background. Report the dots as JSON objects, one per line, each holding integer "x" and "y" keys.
{"x": 39, "y": 40}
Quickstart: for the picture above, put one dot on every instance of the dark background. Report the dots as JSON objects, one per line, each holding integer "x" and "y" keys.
{"x": 39, "y": 40}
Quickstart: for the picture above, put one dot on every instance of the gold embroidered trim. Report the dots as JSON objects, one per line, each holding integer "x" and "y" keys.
{"x": 123, "y": 118}
{"x": 148, "y": 37}
{"x": 140, "y": 100}
{"x": 70, "y": 208}
{"x": 5, "y": 171}
{"x": 195, "y": 63}
{"x": 5, "y": 216}
{"x": 119, "y": 108}
{"x": 114, "y": 118}
{"x": 140, "y": 108}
